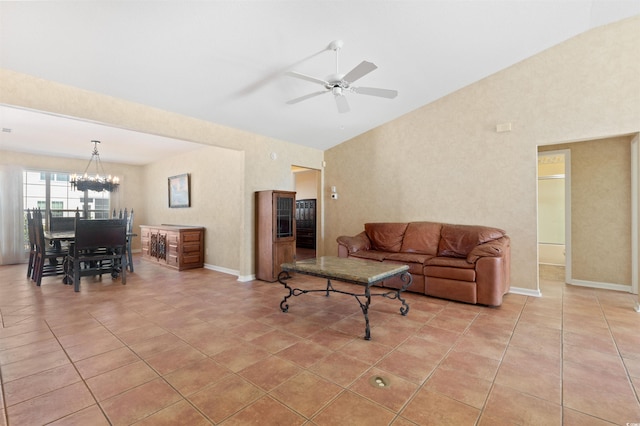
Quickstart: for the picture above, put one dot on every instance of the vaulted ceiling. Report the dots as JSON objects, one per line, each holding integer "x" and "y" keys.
{"x": 228, "y": 62}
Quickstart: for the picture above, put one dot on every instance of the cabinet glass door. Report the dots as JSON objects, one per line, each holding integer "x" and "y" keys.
{"x": 285, "y": 215}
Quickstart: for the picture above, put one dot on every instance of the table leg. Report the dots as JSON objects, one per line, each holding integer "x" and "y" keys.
{"x": 329, "y": 287}
{"x": 407, "y": 278}
{"x": 365, "y": 311}
{"x": 282, "y": 276}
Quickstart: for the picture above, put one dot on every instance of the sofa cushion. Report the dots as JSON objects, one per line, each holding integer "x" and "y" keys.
{"x": 385, "y": 236}
{"x": 370, "y": 254}
{"x": 421, "y": 237}
{"x": 414, "y": 260}
{"x": 449, "y": 262}
{"x": 458, "y": 274}
{"x": 409, "y": 257}
{"x": 459, "y": 240}
{"x": 415, "y": 269}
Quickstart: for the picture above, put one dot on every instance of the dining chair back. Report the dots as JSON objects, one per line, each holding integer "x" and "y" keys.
{"x": 48, "y": 261}
{"x": 130, "y": 236}
{"x": 128, "y": 216}
{"x": 32, "y": 244}
{"x": 98, "y": 248}
{"x": 60, "y": 223}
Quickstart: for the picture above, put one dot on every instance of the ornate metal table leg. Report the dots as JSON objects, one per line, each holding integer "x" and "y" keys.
{"x": 284, "y": 275}
{"x": 329, "y": 288}
{"x": 407, "y": 278}
{"x": 365, "y": 310}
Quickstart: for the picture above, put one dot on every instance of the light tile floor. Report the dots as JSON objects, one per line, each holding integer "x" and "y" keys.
{"x": 198, "y": 348}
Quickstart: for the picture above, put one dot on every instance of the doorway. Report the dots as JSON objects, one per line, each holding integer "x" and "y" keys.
{"x": 600, "y": 220}
{"x": 306, "y": 184}
{"x": 553, "y": 213}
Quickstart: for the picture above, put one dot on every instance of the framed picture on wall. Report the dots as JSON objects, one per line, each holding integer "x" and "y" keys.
{"x": 179, "y": 191}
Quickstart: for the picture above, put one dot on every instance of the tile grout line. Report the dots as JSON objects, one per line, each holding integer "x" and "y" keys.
{"x": 5, "y": 413}
{"x": 562, "y": 320}
{"x": 493, "y": 382}
{"x": 424, "y": 382}
{"x": 184, "y": 397}
{"x": 5, "y": 410}
{"x": 76, "y": 370}
{"x": 615, "y": 342}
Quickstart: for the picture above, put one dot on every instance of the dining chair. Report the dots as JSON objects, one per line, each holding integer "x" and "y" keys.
{"x": 48, "y": 261}
{"x": 58, "y": 224}
{"x": 32, "y": 244}
{"x": 98, "y": 248}
{"x": 130, "y": 236}
{"x": 61, "y": 223}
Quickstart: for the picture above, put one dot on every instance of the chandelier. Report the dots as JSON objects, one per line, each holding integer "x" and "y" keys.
{"x": 95, "y": 183}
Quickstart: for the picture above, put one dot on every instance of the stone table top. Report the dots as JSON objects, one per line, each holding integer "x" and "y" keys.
{"x": 345, "y": 269}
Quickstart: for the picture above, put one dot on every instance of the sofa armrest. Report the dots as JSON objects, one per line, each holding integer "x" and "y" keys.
{"x": 353, "y": 244}
{"x": 492, "y": 279}
{"x": 494, "y": 248}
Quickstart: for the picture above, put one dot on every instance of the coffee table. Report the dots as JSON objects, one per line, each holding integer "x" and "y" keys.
{"x": 355, "y": 271}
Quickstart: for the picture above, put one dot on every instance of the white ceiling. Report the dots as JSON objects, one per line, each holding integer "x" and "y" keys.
{"x": 225, "y": 61}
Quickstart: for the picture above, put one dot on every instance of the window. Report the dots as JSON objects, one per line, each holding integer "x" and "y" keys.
{"x": 52, "y": 193}
{"x": 101, "y": 208}
{"x": 56, "y": 208}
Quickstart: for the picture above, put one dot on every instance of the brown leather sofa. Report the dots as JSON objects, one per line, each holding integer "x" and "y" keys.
{"x": 458, "y": 262}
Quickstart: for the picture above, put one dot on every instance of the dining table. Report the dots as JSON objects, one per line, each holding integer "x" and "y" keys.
{"x": 56, "y": 238}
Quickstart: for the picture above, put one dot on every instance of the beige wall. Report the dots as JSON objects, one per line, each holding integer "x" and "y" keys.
{"x": 446, "y": 162}
{"x": 216, "y": 176}
{"x": 306, "y": 185}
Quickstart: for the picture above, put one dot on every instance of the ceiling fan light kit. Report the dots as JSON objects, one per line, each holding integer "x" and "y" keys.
{"x": 339, "y": 84}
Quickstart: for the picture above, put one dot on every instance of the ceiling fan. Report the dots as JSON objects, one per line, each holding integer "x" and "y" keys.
{"x": 339, "y": 84}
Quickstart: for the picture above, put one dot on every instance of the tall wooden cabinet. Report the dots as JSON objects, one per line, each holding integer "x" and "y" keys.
{"x": 179, "y": 247}
{"x": 275, "y": 232}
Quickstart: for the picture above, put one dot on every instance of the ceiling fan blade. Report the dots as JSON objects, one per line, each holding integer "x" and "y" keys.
{"x": 359, "y": 71}
{"x": 372, "y": 91}
{"x": 342, "y": 104}
{"x": 305, "y": 97}
{"x": 307, "y": 77}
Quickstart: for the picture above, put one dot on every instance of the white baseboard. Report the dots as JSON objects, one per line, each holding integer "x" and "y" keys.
{"x": 222, "y": 269}
{"x": 241, "y": 278}
{"x": 604, "y": 286}
{"x": 525, "y": 291}
{"x": 246, "y": 278}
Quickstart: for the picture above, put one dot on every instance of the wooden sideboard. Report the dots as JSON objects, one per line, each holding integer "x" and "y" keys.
{"x": 175, "y": 246}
